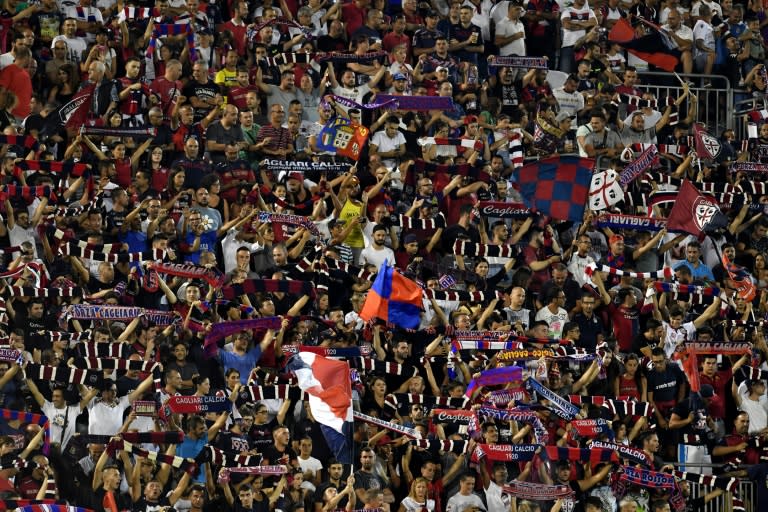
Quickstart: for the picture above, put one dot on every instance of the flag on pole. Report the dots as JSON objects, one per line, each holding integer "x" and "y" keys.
{"x": 393, "y": 298}
{"x": 695, "y": 213}
{"x": 557, "y": 186}
{"x": 75, "y": 113}
{"x": 707, "y": 146}
{"x": 343, "y": 137}
{"x": 328, "y": 383}
{"x": 656, "y": 47}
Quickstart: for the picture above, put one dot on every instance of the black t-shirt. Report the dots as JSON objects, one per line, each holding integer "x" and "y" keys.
{"x": 204, "y": 92}
{"x": 144, "y": 506}
{"x": 231, "y": 442}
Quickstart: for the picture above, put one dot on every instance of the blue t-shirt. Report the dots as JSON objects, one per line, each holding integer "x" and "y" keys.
{"x": 207, "y": 243}
{"x": 243, "y": 364}
{"x": 192, "y": 448}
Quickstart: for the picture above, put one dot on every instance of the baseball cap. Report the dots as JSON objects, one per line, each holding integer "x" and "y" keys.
{"x": 410, "y": 238}
{"x": 707, "y": 391}
{"x": 562, "y": 116}
{"x": 399, "y": 76}
{"x": 614, "y": 239}
{"x": 296, "y": 176}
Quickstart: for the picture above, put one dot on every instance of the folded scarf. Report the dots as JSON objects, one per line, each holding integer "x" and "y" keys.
{"x": 222, "y": 330}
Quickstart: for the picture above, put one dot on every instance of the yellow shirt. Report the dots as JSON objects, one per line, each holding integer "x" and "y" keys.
{"x": 349, "y": 213}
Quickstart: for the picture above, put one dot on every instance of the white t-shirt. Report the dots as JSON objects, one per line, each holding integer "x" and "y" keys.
{"x": 506, "y": 28}
{"x": 758, "y": 411}
{"x": 573, "y": 14}
{"x": 386, "y": 144}
{"x": 704, "y": 31}
{"x": 496, "y": 499}
{"x": 89, "y": 14}
{"x": 672, "y": 337}
{"x": 310, "y": 464}
{"x": 63, "y": 421}
{"x": 355, "y": 94}
{"x": 106, "y": 419}
{"x": 76, "y": 47}
{"x": 556, "y": 321}
{"x": 376, "y": 257}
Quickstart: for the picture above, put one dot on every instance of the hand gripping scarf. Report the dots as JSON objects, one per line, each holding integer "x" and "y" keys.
{"x": 224, "y": 475}
{"x": 210, "y": 275}
{"x": 172, "y": 29}
{"x": 557, "y": 404}
{"x": 537, "y": 492}
{"x": 288, "y": 286}
{"x": 222, "y": 330}
{"x": 507, "y": 452}
{"x": 494, "y": 377}
{"x": 625, "y": 452}
{"x": 541, "y": 436}
{"x": 187, "y": 465}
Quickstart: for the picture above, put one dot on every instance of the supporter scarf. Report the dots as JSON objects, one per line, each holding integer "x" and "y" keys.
{"x": 718, "y": 347}
{"x": 393, "y": 427}
{"x": 25, "y": 141}
{"x": 507, "y": 452}
{"x": 457, "y": 447}
{"x": 255, "y": 29}
{"x": 451, "y": 416}
{"x": 210, "y": 275}
{"x": 69, "y": 336}
{"x": 452, "y": 170}
{"x": 172, "y": 29}
{"x": 104, "y": 363}
{"x": 280, "y": 59}
{"x": 31, "y": 291}
{"x": 385, "y": 367}
{"x": 502, "y": 210}
{"x": 537, "y": 492}
{"x": 513, "y": 61}
{"x": 169, "y": 437}
{"x": 718, "y": 482}
{"x": 289, "y": 166}
{"x": 546, "y": 137}
{"x": 592, "y": 427}
{"x": 349, "y": 57}
{"x": 648, "y": 478}
{"x": 131, "y": 257}
{"x": 461, "y": 295}
{"x": 138, "y": 13}
{"x": 752, "y": 373}
{"x": 524, "y": 354}
{"x": 638, "y": 166}
{"x": 222, "y": 330}
{"x": 557, "y": 404}
{"x": 665, "y": 273}
{"x": 145, "y": 131}
{"x": 418, "y": 103}
{"x": 252, "y": 470}
{"x": 65, "y": 374}
{"x": 592, "y": 456}
{"x": 501, "y": 397}
{"x": 751, "y": 167}
{"x": 198, "y": 404}
{"x": 482, "y": 340}
{"x": 394, "y": 400}
{"x": 28, "y": 417}
{"x": 111, "y": 350}
{"x": 259, "y": 374}
{"x": 626, "y": 452}
{"x": 344, "y": 353}
{"x": 285, "y": 218}
{"x": 186, "y": 465}
{"x": 97, "y": 312}
{"x": 621, "y": 221}
{"x": 477, "y": 145}
{"x": 350, "y": 103}
{"x": 11, "y": 355}
{"x": 219, "y": 457}
{"x": 25, "y": 192}
{"x": 18, "y": 464}
{"x": 330, "y": 263}
{"x": 251, "y": 394}
{"x": 637, "y": 101}
{"x": 69, "y": 168}
{"x": 268, "y": 286}
{"x": 44, "y": 506}
{"x": 14, "y": 504}
{"x": 423, "y": 224}
{"x": 747, "y": 323}
{"x": 624, "y": 408}
{"x": 540, "y": 433}
{"x": 466, "y": 248}
{"x": 495, "y": 377}
{"x": 704, "y": 291}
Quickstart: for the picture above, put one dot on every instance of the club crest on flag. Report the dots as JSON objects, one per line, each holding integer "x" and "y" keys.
{"x": 605, "y": 190}
{"x": 704, "y": 210}
{"x": 711, "y": 144}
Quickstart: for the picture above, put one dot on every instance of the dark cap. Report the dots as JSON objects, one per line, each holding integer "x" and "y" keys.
{"x": 431, "y": 14}
{"x": 336, "y": 222}
{"x": 410, "y": 238}
{"x": 706, "y": 391}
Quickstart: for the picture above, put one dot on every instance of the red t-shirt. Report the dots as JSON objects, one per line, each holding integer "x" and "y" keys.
{"x": 17, "y": 80}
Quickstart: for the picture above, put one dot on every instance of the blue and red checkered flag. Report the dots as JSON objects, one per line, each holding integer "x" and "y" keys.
{"x": 557, "y": 186}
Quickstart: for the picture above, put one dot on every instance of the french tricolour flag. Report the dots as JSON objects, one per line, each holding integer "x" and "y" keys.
{"x": 328, "y": 383}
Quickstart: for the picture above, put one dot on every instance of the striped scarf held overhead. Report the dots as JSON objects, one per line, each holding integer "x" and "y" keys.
{"x": 31, "y": 291}
{"x": 592, "y": 456}
{"x": 506, "y": 452}
{"x": 110, "y": 350}
{"x": 280, "y": 59}
{"x": 349, "y": 57}
{"x": 471, "y": 171}
{"x": 251, "y": 394}
{"x": 65, "y": 374}
{"x": 131, "y": 257}
{"x": 555, "y": 402}
{"x": 68, "y": 336}
{"x": 623, "y": 408}
{"x": 210, "y": 275}
{"x": 186, "y": 465}
{"x": 25, "y": 141}
{"x": 422, "y": 224}
{"x": 627, "y": 452}
{"x": 286, "y": 218}
{"x": 537, "y": 492}
{"x": 172, "y": 29}
{"x": 457, "y": 447}
{"x": 477, "y": 145}
{"x": 461, "y": 295}
{"x": 384, "y": 367}
{"x": 9, "y": 192}
{"x": 224, "y": 475}
{"x": 222, "y": 458}
{"x": 540, "y": 433}
{"x": 103, "y": 363}
{"x": 471, "y": 249}
{"x": 393, "y": 427}
{"x": 67, "y": 168}
{"x": 394, "y": 400}
{"x": 268, "y": 286}
{"x": 222, "y": 330}
{"x": 665, "y": 273}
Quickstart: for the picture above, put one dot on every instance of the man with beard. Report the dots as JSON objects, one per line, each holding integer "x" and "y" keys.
{"x": 184, "y": 126}
{"x": 223, "y": 133}
{"x": 347, "y": 88}
{"x": 505, "y": 87}
{"x": 366, "y": 479}
{"x": 203, "y": 94}
{"x": 424, "y": 40}
{"x": 194, "y": 168}
{"x": 134, "y": 93}
{"x": 61, "y": 415}
{"x": 377, "y": 252}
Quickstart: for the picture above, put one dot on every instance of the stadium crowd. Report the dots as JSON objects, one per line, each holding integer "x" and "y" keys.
{"x": 193, "y": 192}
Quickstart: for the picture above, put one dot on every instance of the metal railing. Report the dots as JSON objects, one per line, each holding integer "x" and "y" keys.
{"x": 724, "y": 503}
{"x": 715, "y": 108}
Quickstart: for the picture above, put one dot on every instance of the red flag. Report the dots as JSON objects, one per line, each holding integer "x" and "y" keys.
{"x": 654, "y": 48}
{"x": 75, "y": 113}
{"x": 707, "y": 146}
{"x": 741, "y": 279}
{"x": 694, "y": 212}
